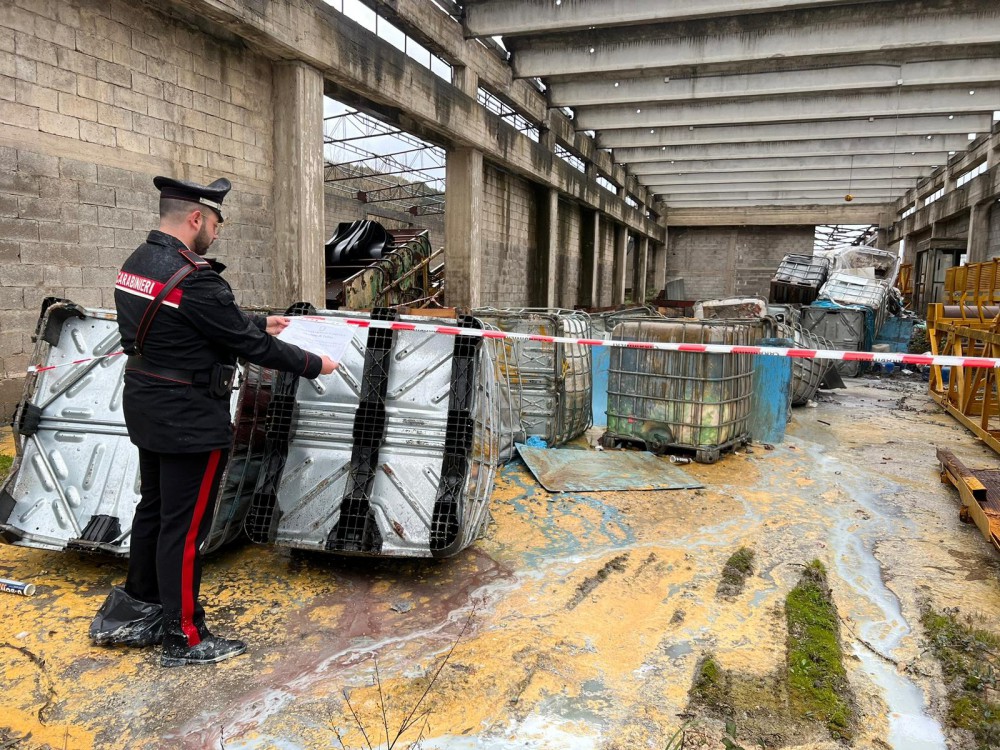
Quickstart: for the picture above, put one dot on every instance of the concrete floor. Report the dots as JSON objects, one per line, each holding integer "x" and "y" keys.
{"x": 576, "y": 623}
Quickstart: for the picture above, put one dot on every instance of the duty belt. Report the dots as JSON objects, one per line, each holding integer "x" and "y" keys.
{"x": 138, "y": 363}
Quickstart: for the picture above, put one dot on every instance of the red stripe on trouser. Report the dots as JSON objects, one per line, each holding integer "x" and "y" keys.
{"x": 191, "y": 550}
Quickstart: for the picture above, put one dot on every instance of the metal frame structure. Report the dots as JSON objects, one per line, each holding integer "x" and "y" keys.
{"x": 407, "y": 171}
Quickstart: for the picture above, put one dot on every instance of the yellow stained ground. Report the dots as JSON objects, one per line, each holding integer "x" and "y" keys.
{"x": 576, "y": 623}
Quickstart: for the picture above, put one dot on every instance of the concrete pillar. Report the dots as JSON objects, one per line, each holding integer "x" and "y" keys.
{"x": 547, "y": 135}
{"x": 590, "y": 257}
{"x": 466, "y": 80}
{"x": 641, "y": 271}
{"x": 463, "y": 237}
{"x": 660, "y": 264}
{"x": 620, "y": 269}
{"x": 299, "y": 268}
{"x": 548, "y": 212}
{"x": 882, "y": 238}
{"x": 978, "y": 242}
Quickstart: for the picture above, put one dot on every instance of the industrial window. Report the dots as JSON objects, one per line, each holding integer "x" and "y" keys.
{"x": 365, "y": 16}
{"x": 607, "y": 184}
{"x": 570, "y": 158}
{"x": 508, "y": 114}
{"x": 911, "y": 210}
{"x": 972, "y": 173}
{"x": 933, "y": 196}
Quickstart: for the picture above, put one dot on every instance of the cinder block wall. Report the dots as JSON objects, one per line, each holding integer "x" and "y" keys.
{"x": 732, "y": 261}
{"x": 569, "y": 264}
{"x": 510, "y": 239}
{"x": 98, "y": 97}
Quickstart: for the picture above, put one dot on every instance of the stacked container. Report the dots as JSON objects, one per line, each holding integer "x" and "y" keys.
{"x": 393, "y": 454}
{"x": 798, "y": 279}
{"x": 75, "y": 480}
{"x": 844, "y": 328}
{"x": 847, "y": 289}
{"x": 554, "y": 379}
{"x": 685, "y": 400}
{"x": 884, "y": 264}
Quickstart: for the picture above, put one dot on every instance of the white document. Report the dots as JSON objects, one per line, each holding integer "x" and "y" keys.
{"x": 318, "y": 336}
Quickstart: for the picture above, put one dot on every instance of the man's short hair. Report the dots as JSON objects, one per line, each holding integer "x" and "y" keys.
{"x": 175, "y": 209}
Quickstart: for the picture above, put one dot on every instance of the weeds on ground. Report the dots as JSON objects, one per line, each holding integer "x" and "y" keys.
{"x": 970, "y": 658}
{"x": 735, "y": 572}
{"x": 817, "y": 680}
{"x": 415, "y": 717}
{"x": 5, "y": 463}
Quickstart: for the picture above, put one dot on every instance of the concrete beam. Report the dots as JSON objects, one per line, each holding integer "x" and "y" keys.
{"x": 512, "y": 17}
{"x": 834, "y": 187}
{"x": 443, "y": 34}
{"x": 905, "y": 175}
{"x": 828, "y": 33}
{"x": 360, "y": 67}
{"x": 985, "y": 187}
{"x": 299, "y": 230}
{"x": 779, "y": 197}
{"x": 797, "y": 131}
{"x": 798, "y": 108}
{"x": 657, "y": 88}
{"x": 797, "y": 164}
{"x": 713, "y": 215}
{"x": 639, "y": 159}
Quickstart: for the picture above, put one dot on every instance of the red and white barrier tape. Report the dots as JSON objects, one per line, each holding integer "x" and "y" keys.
{"x": 775, "y": 351}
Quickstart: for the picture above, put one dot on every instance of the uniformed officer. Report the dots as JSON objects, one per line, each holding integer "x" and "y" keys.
{"x": 183, "y": 331}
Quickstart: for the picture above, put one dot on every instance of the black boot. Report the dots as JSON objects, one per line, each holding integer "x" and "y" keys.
{"x": 125, "y": 621}
{"x": 211, "y": 649}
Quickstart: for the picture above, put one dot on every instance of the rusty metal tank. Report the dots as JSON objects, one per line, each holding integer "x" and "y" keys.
{"x": 686, "y": 400}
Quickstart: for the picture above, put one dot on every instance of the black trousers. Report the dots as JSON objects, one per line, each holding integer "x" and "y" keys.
{"x": 178, "y": 494}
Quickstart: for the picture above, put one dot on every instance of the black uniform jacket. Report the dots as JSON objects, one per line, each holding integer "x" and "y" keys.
{"x": 198, "y": 325}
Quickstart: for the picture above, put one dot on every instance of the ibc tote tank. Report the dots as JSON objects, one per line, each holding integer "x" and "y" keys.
{"x": 687, "y": 400}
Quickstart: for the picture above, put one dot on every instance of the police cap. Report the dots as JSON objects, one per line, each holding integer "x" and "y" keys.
{"x": 184, "y": 190}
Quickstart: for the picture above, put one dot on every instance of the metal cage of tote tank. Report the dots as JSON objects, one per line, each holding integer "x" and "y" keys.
{"x": 555, "y": 380}
{"x": 686, "y": 400}
{"x": 798, "y": 278}
{"x": 602, "y": 324}
{"x": 75, "y": 480}
{"x": 392, "y": 455}
{"x": 846, "y": 289}
{"x": 844, "y": 328}
{"x": 807, "y": 372}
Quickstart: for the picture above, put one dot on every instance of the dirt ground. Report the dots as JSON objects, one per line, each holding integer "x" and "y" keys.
{"x": 578, "y": 622}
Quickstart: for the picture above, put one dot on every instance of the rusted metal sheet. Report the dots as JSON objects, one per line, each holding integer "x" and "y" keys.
{"x": 569, "y": 470}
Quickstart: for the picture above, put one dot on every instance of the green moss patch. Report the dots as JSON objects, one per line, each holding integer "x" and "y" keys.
{"x": 970, "y": 660}
{"x": 806, "y": 701}
{"x": 737, "y": 569}
{"x": 5, "y": 464}
{"x": 817, "y": 680}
